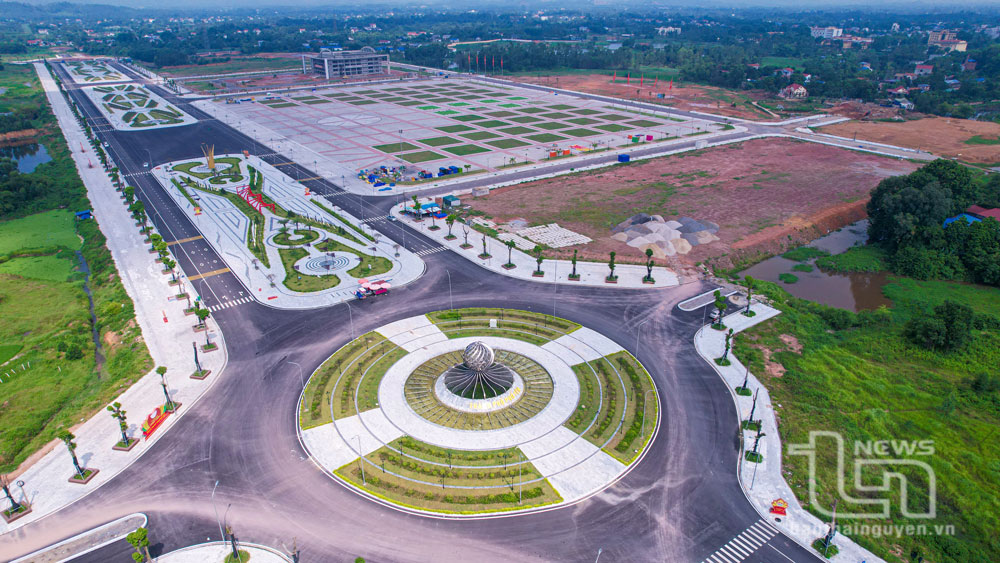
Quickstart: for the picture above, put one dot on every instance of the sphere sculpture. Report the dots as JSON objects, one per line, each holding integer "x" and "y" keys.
{"x": 478, "y": 376}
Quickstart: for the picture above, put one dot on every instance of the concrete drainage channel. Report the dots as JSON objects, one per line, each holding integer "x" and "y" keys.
{"x": 87, "y": 541}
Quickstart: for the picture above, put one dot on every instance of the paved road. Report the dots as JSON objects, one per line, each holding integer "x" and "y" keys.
{"x": 681, "y": 503}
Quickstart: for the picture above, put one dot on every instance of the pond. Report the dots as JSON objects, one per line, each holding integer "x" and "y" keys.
{"x": 28, "y": 156}
{"x": 854, "y": 291}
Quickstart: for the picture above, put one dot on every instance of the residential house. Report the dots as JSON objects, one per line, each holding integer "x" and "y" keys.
{"x": 924, "y": 70}
{"x": 969, "y": 65}
{"x": 785, "y": 72}
{"x": 794, "y": 92}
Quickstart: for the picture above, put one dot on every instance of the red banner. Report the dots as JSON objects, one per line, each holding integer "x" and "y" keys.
{"x": 154, "y": 421}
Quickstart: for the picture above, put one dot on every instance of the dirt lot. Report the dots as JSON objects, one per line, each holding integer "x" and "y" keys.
{"x": 276, "y": 82}
{"x": 765, "y": 195}
{"x": 263, "y": 61}
{"x": 684, "y": 97}
{"x": 942, "y": 136}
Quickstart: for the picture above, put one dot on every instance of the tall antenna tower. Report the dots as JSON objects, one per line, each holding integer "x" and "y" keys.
{"x": 209, "y": 152}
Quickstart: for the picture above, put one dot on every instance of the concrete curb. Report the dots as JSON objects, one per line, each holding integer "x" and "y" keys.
{"x": 33, "y": 556}
{"x": 243, "y": 545}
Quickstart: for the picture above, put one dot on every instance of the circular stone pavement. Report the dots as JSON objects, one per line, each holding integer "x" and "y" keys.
{"x": 574, "y": 428}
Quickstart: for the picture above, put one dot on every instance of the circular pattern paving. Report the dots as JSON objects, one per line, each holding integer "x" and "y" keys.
{"x": 572, "y": 418}
{"x": 324, "y": 265}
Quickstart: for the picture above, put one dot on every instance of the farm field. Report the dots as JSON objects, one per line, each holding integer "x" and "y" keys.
{"x": 682, "y": 96}
{"x": 441, "y": 123}
{"x": 943, "y": 136}
{"x": 761, "y": 193}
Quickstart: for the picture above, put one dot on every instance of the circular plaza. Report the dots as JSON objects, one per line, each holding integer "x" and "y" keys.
{"x": 473, "y": 412}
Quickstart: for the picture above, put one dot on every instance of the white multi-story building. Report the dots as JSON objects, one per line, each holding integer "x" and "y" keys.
{"x": 826, "y": 32}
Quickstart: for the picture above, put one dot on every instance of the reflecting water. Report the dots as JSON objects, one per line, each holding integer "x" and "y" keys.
{"x": 855, "y": 291}
{"x": 28, "y": 156}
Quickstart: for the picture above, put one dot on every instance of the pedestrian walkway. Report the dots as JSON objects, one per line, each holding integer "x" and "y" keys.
{"x": 763, "y": 483}
{"x": 216, "y": 552}
{"x": 744, "y": 545}
{"x": 165, "y": 329}
{"x": 228, "y": 304}
{"x": 591, "y": 273}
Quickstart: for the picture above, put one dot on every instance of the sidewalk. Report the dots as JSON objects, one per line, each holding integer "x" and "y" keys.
{"x": 763, "y": 482}
{"x": 225, "y": 228}
{"x": 591, "y": 273}
{"x": 165, "y": 329}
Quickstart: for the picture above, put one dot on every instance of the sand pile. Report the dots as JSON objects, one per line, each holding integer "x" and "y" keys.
{"x": 664, "y": 238}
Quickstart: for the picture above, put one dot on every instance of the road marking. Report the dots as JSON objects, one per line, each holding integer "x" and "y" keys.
{"x": 373, "y": 219}
{"x": 431, "y": 250}
{"x": 208, "y": 274}
{"x": 183, "y": 240}
{"x": 228, "y": 304}
{"x": 283, "y": 163}
{"x": 745, "y": 544}
{"x": 309, "y": 179}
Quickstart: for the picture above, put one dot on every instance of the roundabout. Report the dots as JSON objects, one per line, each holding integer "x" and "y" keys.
{"x": 473, "y": 412}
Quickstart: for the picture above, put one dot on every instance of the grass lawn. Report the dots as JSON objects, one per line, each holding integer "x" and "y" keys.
{"x": 614, "y": 117}
{"x": 580, "y": 132}
{"x": 857, "y": 259}
{"x": 533, "y": 110}
{"x": 551, "y": 125}
{"x": 493, "y": 123}
{"x": 370, "y": 266}
{"x": 585, "y": 111}
{"x": 782, "y": 62}
{"x": 56, "y": 267}
{"x": 410, "y": 103}
{"x": 480, "y": 135}
{"x": 555, "y": 115}
{"x": 857, "y": 374}
{"x": 316, "y": 397}
{"x": 454, "y": 128}
{"x": 525, "y": 119}
{"x": 583, "y": 121}
{"x": 396, "y": 147}
{"x": 422, "y": 156}
{"x": 507, "y": 143}
{"x": 49, "y": 228}
{"x": 546, "y": 138}
{"x": 297, "y": 281}
{"x": 439, "y": 141}
{"x": 980, "y": 140}
{"x": 467, "y": 117}
{"x": 643, "y": 123}
{"x": 612, "y": 127}
{"x": 517, "y": 130}
{"x": 463, "y": 150}
{"x": 501, "y": 113}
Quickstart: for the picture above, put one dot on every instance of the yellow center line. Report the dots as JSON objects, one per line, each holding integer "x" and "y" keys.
{"x": 313, "y": 178}
{"x": 208, "y": 274}
{"x": 183, "y": 240}
{"x": 283, "y": 163}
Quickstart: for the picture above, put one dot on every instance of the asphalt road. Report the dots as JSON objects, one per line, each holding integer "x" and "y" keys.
{"x": 681, "y": 503}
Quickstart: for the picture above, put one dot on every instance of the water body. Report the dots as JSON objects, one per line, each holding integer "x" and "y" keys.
{"x": 98, "y": 349}
{"x": 28, "y": 156}
{"x": 854, "y": 291}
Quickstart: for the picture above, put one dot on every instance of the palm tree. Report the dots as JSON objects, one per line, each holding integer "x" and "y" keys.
{"x": 68, "y": 439}
{"x": 510, "y": 248}
{"x": 118, "y": 413}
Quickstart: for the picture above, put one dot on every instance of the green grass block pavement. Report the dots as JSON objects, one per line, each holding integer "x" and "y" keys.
{"x": 422, "y": 156}
{"x": 546, "y": 138}
{"x": 510, "y": 105}
{"x": 584, "y": 111}
{"x": 518, "y": 98}
{"x": 410, "y": 103}
{"x": 480, "y": 135}
{"x": 427, "y": 108}
{"x": 517, "y": 130}
{"x": 550, "y": 125}
{"x": 525, "y": 119}
{"x": 396, "y": 147}
{"x": 614, "y": 117}
{"x": 556, "y": 115}
{"x": 562, "y": 107}
{"x": 501, "y": 113}
{"x": 446, "y": 112}
{"x": 583, "y": 121}
{"x": 493, "y": 123}
{"x": 507, "y": 143}
{"x": 612, "y": 127}
{"x": 454, "y": 128}
{"x": 580, "y": 132}
{"x": 282, "y": 105}
{"x": 459, "y": 104}
{"x": 439, "y": 141}
{"x": 363, "y": 103}
{"x": 51, "y": 228}
{"x": 463, "y": 150}
{"x": 643, "y": 123}
{"x": 533, "y": 110}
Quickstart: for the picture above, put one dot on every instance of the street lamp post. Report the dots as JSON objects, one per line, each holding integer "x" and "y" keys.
{"x": 361, "y": 461}
{"x": 643, "y": 431}
{"x": 302, "y": 381}
{"x": 638, "y": 330}
{"x": 350, "y": 316}
{"x": 216, "y": 508}
{"x": 451, "y": 302}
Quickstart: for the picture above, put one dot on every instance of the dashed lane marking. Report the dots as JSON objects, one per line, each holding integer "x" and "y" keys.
{"x": 183, "y": 240}
{"x": 208, "y": 274}
{"x": 744, "y": 545}
{"x": 228, "y": 304}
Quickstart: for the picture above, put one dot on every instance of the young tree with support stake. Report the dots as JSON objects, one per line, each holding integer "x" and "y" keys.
{"x": 485, "y": 254}
{"x": 69, "y": 440}
{"x": 538, "y": 260}
{"x": 611, "y": 265}
{"x": 15, "y": 507}
{"x": 574, "y": 275}
{"x": 750, "y": 284}
{"x": 450, "y": 221}
{"x": 416, "y": 208}
{"x": 118, "y": 413}
{"x": 720, "y": 306}
{"x": 169, "y": 403}
{"x": 649, "y": 266}
{"x": 724, "y": 359}
{"x": 202, "y": 314}
{"x": 139, "y": 539}
{"x": 510, "y": 249}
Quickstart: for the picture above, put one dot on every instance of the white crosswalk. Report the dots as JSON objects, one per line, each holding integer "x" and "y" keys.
{"x": 742, "y": 546}
{"x": 373, "y": 219}
{"x": 228, "y": 304}
{"x": 134, "y": 174}
{"x": 434, "y": 250}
